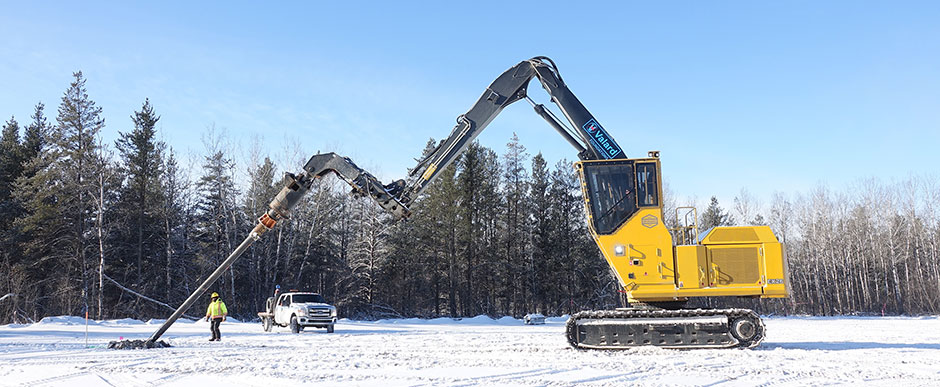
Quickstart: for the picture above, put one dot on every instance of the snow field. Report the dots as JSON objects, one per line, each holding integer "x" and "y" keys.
{"x": 473, "y": 351}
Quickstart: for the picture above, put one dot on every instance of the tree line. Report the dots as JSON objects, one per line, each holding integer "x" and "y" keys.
{"x": 125, "y": 230}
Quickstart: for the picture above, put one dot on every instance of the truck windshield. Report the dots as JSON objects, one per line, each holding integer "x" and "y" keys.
{"x": 303, "y": 298}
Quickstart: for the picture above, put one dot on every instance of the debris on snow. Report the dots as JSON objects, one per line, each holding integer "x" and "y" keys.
{"x": 138, "y": 344}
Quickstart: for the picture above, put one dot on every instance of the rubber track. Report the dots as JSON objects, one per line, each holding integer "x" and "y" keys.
{"x": 732, "y": 314}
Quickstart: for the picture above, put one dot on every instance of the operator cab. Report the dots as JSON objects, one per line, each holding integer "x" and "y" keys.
{"x": 617, "y": 189}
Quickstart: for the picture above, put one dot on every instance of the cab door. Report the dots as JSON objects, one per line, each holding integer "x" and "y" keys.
{"x": 281, "y": 308}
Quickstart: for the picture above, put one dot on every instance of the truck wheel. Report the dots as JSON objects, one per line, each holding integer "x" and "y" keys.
{"x": 294, "y": 325}
{"x": 267, "y": 324}
{"x": 329, "y": 328}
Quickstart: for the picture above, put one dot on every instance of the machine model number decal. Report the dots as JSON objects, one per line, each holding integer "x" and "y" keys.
{"x": 600, "y": 140}
{"x": 775, "y": 281}
{"x": 649, "y": 221}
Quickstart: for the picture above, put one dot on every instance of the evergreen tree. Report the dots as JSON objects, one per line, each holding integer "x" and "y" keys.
{"x": 35, "y": 141}
{"x": 79, "y": 124}
{"x": 41, "y": 231}
{"x": 442, "y": 211}
{"x": 176, "y": 210}
{"x": 261, "y": 191}
{"x": 11, "y": 164}
{"x": 434, "y": 244}
{"x": 479, "y": 235}
{"x": 16, "y": 179}
{"x": 541, "y": 239}
{"x": 36, "y": 136}
{"x": 12, "y": 158}
{"x": 139, "y": 238}
{"x": 216, "y": 218}
{"x": 401, "y": 275}
{"x": 411, "y": 245}
{"x": 11, "y": 167}
{"x": 470, "y": 186}
{"x": 517, "y": 257}
{"x": 714, "y": 216}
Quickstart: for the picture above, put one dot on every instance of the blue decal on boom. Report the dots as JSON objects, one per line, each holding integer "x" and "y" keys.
{"x": 600, "y": 140}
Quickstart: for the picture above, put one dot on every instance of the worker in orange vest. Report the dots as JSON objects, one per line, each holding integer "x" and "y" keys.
{"x": 216, "y": 313}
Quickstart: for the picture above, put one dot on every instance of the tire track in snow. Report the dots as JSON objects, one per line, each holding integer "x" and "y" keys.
{"x": 43, "y": 381}
{"x": 104, "y": 365}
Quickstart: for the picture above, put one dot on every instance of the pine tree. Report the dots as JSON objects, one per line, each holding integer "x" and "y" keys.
{"x": 216, "y": 231}
{"x": 12, "y": 159}
{"x": 36, "y": 137}
{"x": 517, "y": 257}
{"x": 406, "y": 274}
{"x": 714, "y": 216}
{"x": 435, "y": 242}
{"x": 41, "y": 227}
{"x": 11, "y": 167}
{"x": 11, "y": 164}
{"x": 256, "y": 264}
{"x": 176, "y": 210}
{"x": 539, "y": 278}
{"x": 477, "y": 186}
{"x": 27, "y": 154}
{"x": 79, "y": 123}
{"x": 442, "y": 214}
{"x": 35, "y": 141}
{"x": 140, "y": 235}
{"x": 491, "y": 204}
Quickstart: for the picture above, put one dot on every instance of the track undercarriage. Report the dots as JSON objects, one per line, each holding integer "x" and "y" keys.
{"x": 680, "y": 329}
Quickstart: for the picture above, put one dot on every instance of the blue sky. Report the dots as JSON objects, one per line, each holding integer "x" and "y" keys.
{"x": 772, "y": 96}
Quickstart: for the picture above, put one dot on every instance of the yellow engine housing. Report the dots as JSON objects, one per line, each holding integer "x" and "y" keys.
{"x": 724, "y": 261}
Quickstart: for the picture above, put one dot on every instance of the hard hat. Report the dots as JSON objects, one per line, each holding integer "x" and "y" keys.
{"x": 215, "y": 295}
{"x": 277, "y": 286}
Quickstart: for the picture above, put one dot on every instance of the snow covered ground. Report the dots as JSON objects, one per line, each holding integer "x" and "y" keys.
{"x": 477, "y": 351}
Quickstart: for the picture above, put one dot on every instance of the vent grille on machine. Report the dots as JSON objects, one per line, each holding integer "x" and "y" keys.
{"x": 737, "y": 265}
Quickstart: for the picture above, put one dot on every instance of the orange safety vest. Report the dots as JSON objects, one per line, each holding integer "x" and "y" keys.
{"x": 217, "y": 309}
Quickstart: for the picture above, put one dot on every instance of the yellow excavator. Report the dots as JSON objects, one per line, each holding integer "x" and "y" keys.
{"x": 658, "y": 267}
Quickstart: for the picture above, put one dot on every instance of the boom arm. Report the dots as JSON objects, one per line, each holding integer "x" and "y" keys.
{"x": 588, "y": 137}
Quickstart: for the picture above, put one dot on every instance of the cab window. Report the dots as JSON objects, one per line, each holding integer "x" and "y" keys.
{"x": 647, "y": 186}
{"x": 612, "y": 194}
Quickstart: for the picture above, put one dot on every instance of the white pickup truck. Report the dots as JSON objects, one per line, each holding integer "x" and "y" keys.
{"x": 298, "y": 310}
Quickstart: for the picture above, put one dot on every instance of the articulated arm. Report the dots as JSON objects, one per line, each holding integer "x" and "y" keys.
{"x": 363, "y": 184}
{"x": 588, "y": 137}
